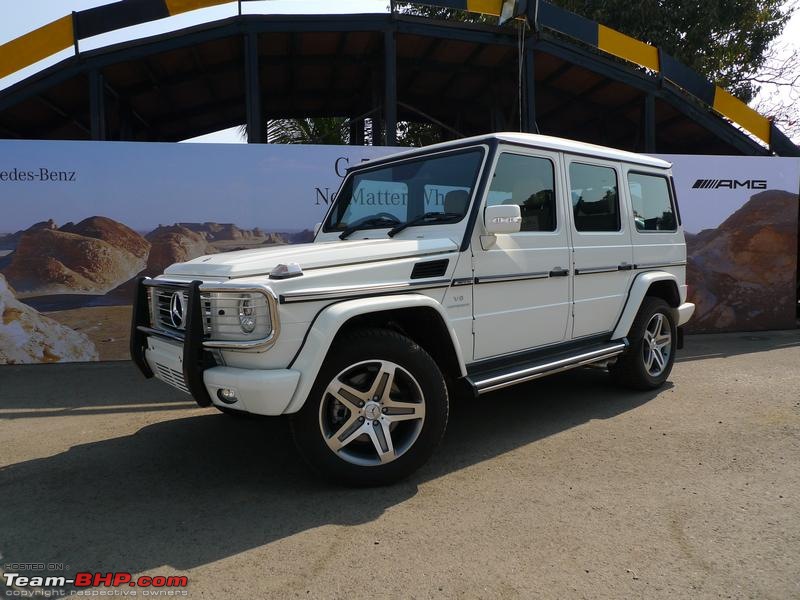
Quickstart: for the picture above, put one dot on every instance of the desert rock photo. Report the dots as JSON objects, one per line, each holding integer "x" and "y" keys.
{"x": 739, "y": 272}
{"x": 92, "y": 257}
{"x": 29, "y": 337}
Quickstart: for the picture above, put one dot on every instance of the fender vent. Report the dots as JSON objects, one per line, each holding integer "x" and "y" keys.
{"x": 431, "y": 268}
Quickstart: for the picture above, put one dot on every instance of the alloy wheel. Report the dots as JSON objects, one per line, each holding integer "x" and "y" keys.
{"x": 372, "y": 412}
{"x": 657, "y": 345}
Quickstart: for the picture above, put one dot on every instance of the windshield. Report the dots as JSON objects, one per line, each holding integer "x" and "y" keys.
{"x": 398, "y": 192}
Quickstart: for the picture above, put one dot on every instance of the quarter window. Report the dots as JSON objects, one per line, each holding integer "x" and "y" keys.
{"x": 651, "y": 203}
{"x": 595, "y": 197}
{"x": 529, "y": 182}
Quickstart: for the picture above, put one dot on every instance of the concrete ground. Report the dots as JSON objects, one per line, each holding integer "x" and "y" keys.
{"x": 562, "y": 488}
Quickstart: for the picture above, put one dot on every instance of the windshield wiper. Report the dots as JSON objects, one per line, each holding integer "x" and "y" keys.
{"x": 364, "y": 223}
{"x": 428, "y": 216}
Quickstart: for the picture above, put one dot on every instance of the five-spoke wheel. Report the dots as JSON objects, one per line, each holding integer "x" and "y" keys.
{"x": 657, "y": 346}
{"x": 372, "y": 412}
{"x": 648, "y": 362}
{"x": 376, "y": 412}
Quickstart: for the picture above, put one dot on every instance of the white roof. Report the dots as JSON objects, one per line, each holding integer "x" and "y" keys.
{"x": 547, "y": 142}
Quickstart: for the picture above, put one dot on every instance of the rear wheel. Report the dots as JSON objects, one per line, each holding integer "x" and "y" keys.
{"x": 653, "y": 337}
{"x": 376, "y": 412}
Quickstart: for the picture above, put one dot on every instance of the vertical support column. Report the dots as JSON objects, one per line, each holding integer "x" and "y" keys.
{"x": 97, "y": 105}
{"x": 649, "y": 116}
{"x": 252, "y": 92}
{"x": 390, "y": 87}
{"x": 529, "y": 115}
{"x": 357, "y": 132}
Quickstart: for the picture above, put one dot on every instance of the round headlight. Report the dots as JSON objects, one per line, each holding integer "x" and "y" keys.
{"x": 247, "y": 315}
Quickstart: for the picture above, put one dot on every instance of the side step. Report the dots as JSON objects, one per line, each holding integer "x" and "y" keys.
{"x": 489, "y": 381}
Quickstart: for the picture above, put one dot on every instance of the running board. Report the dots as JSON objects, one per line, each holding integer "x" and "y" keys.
{"x": 519, "y": 373}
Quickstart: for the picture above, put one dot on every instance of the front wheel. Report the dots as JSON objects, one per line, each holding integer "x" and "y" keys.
{"x": 376, "y": 412}
{"x": 648, "y": 362}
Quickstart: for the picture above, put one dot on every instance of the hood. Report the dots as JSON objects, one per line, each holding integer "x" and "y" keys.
{"x": 260, "y": 261}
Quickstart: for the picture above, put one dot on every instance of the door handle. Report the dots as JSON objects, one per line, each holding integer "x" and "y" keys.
{"x": 559, "y": 272}
{"x": 625, "y": 267}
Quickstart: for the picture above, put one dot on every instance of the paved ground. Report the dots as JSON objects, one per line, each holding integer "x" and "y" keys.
{"x": 562, "y": 488}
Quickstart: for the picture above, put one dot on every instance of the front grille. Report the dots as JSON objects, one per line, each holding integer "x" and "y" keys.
{"x": 162, "y": 310}
{"x": 222, "y": 313}
{"x": 172, "y": 377}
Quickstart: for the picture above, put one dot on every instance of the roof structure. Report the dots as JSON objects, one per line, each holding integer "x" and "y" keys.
{"x": 564, "y": 76}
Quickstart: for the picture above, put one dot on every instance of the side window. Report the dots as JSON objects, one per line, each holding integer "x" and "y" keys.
{"x": 650, "y": 200}
{"x": 595, "y": 197}
{"x": 529, "y": 182}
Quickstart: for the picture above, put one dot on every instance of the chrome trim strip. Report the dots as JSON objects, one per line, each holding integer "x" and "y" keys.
{"x": 312, "y": 295}
{"x": 593, "y": 270}
{"x": 508, "y": 379}
{"x": 680, "y": 263}
{"x": 462, "y": 281}
{"x": 512, "y": 277}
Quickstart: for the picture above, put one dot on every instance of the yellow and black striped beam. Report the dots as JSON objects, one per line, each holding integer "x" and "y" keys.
{"x": 65, "y": 32}
{"x": 36, "y": 45}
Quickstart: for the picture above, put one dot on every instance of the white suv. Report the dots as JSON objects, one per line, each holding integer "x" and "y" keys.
{"x": 468, "y": 266}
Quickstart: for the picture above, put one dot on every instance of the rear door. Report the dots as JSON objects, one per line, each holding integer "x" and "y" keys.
{"x": 657, "y": 242}
{"x": 601, "y": 236}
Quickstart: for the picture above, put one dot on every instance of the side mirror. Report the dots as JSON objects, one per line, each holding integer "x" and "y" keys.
{"x": 502, "y": 218}
{"x": 317, "y": 227}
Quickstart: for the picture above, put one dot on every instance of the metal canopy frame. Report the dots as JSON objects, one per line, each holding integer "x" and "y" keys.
{"x": 105, "y": 101}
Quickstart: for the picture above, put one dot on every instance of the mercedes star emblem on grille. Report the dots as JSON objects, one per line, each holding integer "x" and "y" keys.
{"x": 177, "y": 309}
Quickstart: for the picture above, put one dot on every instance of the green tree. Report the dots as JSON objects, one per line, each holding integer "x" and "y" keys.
{"x": 726, "y": 40}
{"x": 319, "y": 130}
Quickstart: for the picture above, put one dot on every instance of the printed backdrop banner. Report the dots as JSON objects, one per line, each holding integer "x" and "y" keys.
{"x": 81, "y": 220}
{"x": 740, "y": 214}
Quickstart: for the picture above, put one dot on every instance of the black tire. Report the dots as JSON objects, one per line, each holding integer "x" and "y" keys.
{"x": 359, "y": 360}
{"x": 631, "y": 369}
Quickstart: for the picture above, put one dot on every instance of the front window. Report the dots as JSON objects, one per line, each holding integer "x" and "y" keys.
{"x": 528, "y": 181}
{"x": 399, "y": 192}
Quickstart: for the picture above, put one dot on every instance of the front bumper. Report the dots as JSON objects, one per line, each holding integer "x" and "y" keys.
{"x": 685, "y": 312}
{"x": 188, "y": 366}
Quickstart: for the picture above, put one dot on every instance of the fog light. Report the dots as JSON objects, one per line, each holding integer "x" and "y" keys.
{"x": 228, "y": 396}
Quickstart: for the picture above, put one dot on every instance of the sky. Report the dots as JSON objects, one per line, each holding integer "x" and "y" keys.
{"x": 15, "y": 22}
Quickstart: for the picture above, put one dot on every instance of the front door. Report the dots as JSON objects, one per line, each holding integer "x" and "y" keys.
{"x": 522, "y": 284}
{"x": 603, "y": 257}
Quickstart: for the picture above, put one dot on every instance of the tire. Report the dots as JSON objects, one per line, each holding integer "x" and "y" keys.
{"x": 646, "y": 365}
{"x": 360, "y": 428}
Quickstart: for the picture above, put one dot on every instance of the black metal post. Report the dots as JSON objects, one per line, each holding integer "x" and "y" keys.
{"x": 97, "y": 105}
{"x": 357, "y": 132}
{"x": 530, "y": 91}
{"x": 649, "y": 116}
{"x": 390, "y": 87}
{"x": 255, "y": 121}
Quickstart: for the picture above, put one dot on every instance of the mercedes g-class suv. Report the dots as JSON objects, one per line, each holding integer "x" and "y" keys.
{"x": 467, "y": 266}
